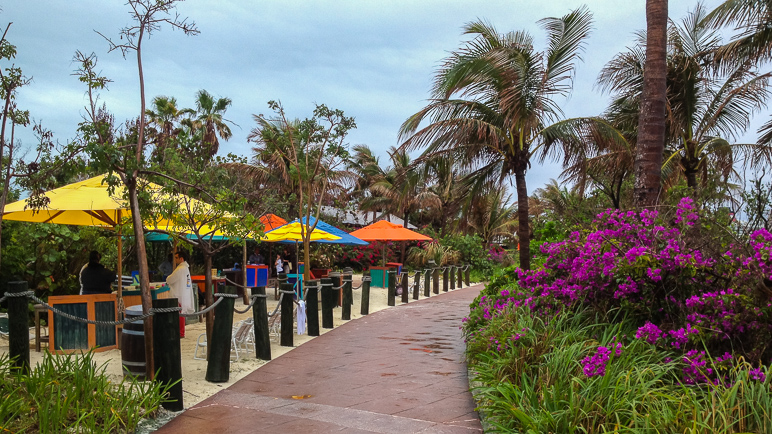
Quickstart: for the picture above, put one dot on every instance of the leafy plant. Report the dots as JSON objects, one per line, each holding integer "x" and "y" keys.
{"x": 71, "y": 394}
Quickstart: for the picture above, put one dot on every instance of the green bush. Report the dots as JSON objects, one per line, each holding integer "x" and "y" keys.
{"x": 71, "y": 394}
{"x": 471, "y": 249}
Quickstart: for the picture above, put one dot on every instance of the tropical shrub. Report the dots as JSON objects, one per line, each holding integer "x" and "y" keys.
{"x": 573, "y": 373}
{"x": 625, "y": 320}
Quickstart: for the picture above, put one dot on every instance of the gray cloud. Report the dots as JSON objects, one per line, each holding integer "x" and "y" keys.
{"x": 374, "y": 60}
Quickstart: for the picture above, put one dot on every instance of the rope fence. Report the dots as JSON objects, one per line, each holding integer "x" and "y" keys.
{"x": 218, "y": 299}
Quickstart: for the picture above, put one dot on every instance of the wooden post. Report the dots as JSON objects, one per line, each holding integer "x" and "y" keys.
{"x": 287, "y": 320}
{"x": 365, "y": 308}
{"x": 167, "y": 354}
{"x": 460, "y": 276}
{"x": 312, "y": 307}
{"x": 327, "y": 303}
{"x": 260, "y": 317}
{"x": 219, "y": 362}
{"x": 416, "y": 284}
{"x": 18, "y": 329}
{"x": 452, "y": 276}
{"x": 405, "y": 290}
{"x": 392, "y": 276}
{"x": 337, "y": 280}
{"x": 444, "y": 279}
{"x": 348, "y": 295}
{"x": 468, "y": 271}
{"x": 436, "y": 282}
{"x": 427, "y": 282}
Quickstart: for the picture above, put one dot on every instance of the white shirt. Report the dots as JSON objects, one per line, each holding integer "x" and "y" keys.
{"x": 181, "y": 286}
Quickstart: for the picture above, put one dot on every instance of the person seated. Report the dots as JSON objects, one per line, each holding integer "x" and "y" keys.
{"x": 256, "y": 258}
{"x": 94, "y": 277}
{"x": 166, "y": 267}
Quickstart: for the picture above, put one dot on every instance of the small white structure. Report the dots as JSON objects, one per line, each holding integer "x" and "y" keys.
{"x": 360, "y": 218}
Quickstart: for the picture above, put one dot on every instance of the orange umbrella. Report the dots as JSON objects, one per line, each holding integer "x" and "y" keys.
{"x": 387, "y": 231}
{"x": 271, "y": 222}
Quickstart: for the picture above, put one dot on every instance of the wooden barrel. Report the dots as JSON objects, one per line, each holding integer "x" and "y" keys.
{"x": 133, "y": 344}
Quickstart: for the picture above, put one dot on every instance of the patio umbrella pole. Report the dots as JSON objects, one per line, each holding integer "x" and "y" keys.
{"x": 121, "y": 307}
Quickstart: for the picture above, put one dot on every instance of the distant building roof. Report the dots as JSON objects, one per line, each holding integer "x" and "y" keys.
{"x": 360, "y": 218}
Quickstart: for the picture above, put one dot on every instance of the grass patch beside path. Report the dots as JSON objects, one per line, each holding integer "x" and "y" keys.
{"x": 538, "y": 375}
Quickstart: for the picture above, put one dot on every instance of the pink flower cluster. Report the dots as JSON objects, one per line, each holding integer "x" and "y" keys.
{"x": 595, "y": 365}
{"x": 656, "y": 272}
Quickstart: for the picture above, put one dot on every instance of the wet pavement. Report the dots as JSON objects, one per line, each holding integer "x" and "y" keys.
{"x": 399, "y": 370}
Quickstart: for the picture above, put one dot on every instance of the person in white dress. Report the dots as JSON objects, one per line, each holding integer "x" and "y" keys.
{"x": 180, "y": 284}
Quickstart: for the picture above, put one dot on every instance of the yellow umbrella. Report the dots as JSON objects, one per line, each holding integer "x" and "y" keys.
{"x": 89, "y": 203}
{"x": 292, "y": 232}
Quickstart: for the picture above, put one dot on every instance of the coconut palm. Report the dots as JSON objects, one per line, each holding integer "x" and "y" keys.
{"x": 493, "y": 97}
{"x": 365, "y": 169}
{"x": 707, "y": 106}
{"x": 210, "y": 121}
{"x": 651, "y": 137}
{"x": 492, "y": 216}
{"x": 446, "y": 181}
{"x": 753, "y": 18}
{"x": 164, "y": 123}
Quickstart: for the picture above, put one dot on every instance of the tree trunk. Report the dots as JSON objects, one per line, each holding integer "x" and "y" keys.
{"x": 651, "y": 123}
{"x": 144, "y": 276}
{"x": 523, "y": 228}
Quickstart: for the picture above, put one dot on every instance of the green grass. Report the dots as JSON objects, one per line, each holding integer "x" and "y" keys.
{"x": 71, "y": 394}
{"x": 537, "y": 385}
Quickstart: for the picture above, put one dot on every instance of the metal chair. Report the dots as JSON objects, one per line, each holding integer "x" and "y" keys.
{"x": 242, "y": 339}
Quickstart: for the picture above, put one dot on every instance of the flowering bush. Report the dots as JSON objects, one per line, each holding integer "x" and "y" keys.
{"x": 654, "y": 303}
{"x": 659, "y": 273}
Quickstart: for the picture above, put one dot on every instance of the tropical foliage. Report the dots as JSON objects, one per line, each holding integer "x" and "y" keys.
{"x": 635, "y": 321}
{"x": 493, "y": 97}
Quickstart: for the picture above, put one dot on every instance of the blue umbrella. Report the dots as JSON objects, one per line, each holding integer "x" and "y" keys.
{"x": 345, "y": 238}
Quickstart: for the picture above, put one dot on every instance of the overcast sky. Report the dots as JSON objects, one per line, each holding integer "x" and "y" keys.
{"x": 373, "y": 59}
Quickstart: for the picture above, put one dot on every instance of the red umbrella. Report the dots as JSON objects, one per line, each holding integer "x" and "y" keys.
{"x": 387, "y": 231}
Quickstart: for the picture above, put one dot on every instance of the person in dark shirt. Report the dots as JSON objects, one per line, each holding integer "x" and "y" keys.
{"x": 256, "y": 258}
{"x": 96, "y": 279}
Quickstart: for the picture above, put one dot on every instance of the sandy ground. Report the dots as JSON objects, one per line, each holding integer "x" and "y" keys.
{"x": 195, "y": 387}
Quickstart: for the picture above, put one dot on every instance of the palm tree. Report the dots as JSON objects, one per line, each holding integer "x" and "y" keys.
{"x": 651, "y": 133}
{"x": 164, "y": 119}
{"x": 753, "y": 18}
{"x": 492, "y": 216}
{"x": 493, "y": 97}
{"x": 707, "y": 106}
{"x": 209, "y": 119}
{"x": 400, "y": 190}
{"x": 365, "y": 169}
{"x": 447, "y": 182}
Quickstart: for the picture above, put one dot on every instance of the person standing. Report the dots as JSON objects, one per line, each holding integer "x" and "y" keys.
{"x": 167, "y": 266}
{"x": 180, "y": 283}
{"x": 256, "y": 257}
{"x": 94, "y": 277}
{"x": 279, "y": 265}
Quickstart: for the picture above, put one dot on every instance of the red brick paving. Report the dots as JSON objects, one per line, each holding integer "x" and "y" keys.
{"x": 399, "y": 370}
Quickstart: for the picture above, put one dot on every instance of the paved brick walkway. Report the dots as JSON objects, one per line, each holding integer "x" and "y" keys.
{"x": 399, "y": 370}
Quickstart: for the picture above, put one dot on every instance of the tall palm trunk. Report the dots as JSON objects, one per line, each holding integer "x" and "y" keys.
{"x": 651, "y": 123}
{"x": 523, "y": 228}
